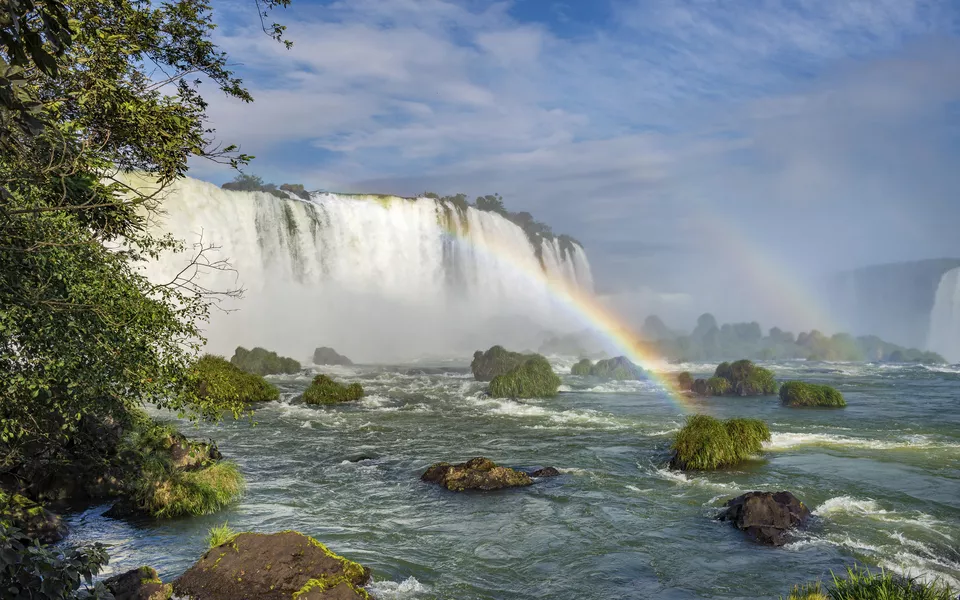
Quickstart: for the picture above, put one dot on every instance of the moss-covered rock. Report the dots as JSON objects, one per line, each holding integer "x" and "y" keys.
{"x": 718, "y": 386}
{"x": 495, "y": 361}
{"x": 799, "y": 393}
{"x": 532, "y": 379}
{"x": 619, "y": 368}
{"x": 582, "y": 368}
{"x": 685, "y": 381}
{"x": 706, "y": 443}
{"x": 138, "y": 584}
{"x": 32, "y": 519}
{"x": 324, "y": 390}
{"x": 747, "y": 379}
{"x": 279, "y": 566}
{"x": 476, "y": 474}
{"x": 329, "y": 356}
{"x": 215, "y": 377}
{"x": 261, "y": 361}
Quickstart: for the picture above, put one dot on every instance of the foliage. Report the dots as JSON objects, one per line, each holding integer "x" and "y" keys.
{"x": 582, "y": 368}
{"x": 706, "y": 443}
{"x": 619, "y": 368}
{"x": 29, "y": 571}
{"x": 219, "y": 535}
{"x": 245, "y": 182}
{"x": 718, "y": 386}
{"x": 84, "y": 336}
{"x": 226, "y": 383}
{"x": 261, "y": 361}
{"x": 168, "y": 492}
{"x": 533, "y": 379}
{"x": 495, "y": 361}
{"x": 324, "y": 390}
{"x": 799, "y": 393}
{"x": 861, "y": 584}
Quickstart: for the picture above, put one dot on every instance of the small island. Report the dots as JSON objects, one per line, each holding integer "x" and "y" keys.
{"x": 705, "y": 443}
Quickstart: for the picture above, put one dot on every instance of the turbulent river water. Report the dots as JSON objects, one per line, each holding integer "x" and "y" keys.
{"x": 882, "y": 476}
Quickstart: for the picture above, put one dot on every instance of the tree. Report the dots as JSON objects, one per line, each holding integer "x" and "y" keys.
{"x": 84, "y": 336}
{"x": 491, "y": 203}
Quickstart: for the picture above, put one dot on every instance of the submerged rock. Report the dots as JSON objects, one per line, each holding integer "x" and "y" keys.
{"x": 33, "y": 520}
{"x": 767, "y": 517}
{"x": 545, "y": 472}
{"x": 476, "y": 474}
{"x": 278, "y": 566}
{"x": 138, "y": 584}
{"x": 329, "y": 356}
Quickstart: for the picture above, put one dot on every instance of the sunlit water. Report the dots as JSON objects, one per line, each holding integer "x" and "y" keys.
{"x": 883, "y": 477}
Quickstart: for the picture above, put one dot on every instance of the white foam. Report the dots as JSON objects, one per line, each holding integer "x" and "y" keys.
{"x": 680, "y": 478}
{"x": 786, "y": 440}
{"x": 840, "y": 506}
{"x": 388, "y": 590}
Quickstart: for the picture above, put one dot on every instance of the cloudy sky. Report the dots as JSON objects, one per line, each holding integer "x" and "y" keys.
{"x": 702, "y": 151}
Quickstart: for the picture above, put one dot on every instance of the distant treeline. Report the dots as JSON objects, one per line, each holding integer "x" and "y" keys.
{"x": 710, "y": 341}
{"x": 252, "y": 183}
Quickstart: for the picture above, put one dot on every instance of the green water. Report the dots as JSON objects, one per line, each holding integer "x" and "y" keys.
{"x": 882, "y": 475}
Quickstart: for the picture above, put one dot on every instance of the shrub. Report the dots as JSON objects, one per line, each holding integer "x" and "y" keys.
{"x": 685, "y": 380}
{"x": 582, "y": 368}
{"x": 29, "y": 571}
{"x": 706, "y": 443}
{"x": 261, "y": 361}
{"x": 799, "y": 393}
{"x": 533, "y": 379}
{"x": 746, "y": 379}
{"x": 495, "y": 361}
{"x": 324, "y": 390}
{"x": 220, "y": 380}
{"x": 861, "y": 584}
{"x": 619, "y": 368}
{"x": 220, "y": 534}
{"x": 166, "y": 493}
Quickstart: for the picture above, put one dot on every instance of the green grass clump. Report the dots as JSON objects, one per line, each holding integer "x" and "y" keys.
{"x": 861, "y": 584}
{"x": 495, "y": 361}
{"x": 261, "y": 361}
{"x": 324, "y": 390}
{"x": 219, "y": 535}
{"x": 582, "y": 368}
{"x": 706, "y": 443}
{"x": 746, "y": 379}
{"x": 221, "y": 381}
{"x": 619, "y": 368}
{"x": 170, "y": 493}
{"x": 533, "y": 379}
{"x": 799, "y": 393}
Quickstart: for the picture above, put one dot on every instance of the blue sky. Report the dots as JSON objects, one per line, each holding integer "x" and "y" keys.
{"x": 823, "y": 134}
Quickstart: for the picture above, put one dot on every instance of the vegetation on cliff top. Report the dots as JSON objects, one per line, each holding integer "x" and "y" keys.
{"x": 324, "y": 390}
{"x": 261, "y": 361}
{"x": 706, "y": 443}
{"x": 532, "y": 379}
{"x": 244, "y": 182}
{"x": 800, "y": 393}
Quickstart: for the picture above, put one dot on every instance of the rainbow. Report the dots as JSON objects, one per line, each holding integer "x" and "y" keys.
{"x": 588, "y": 309}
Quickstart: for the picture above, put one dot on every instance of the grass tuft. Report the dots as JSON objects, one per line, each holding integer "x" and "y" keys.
{"x": 166, "y": 493}
{"x": 219, "y": 535}
{"x": 799, "y": 393}
{"x": 706, "y": 443}
{"x": 533, "y": 379}
{"x": 862, "y": 584}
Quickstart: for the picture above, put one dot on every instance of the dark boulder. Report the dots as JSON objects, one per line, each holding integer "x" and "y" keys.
{"x": 767, "y": 517}
{"x": 475, "y": 474}
{"x": 33, "y": 520}
{"x": 545, "y": 472}
{"x": 138, "y": 584}
{"x": 329, "y": 356}
{"x": 278, "y": 566}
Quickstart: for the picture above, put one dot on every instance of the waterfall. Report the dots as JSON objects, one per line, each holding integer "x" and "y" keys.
{"x": 376, "y": 277}
{"x": 944, "y": 336}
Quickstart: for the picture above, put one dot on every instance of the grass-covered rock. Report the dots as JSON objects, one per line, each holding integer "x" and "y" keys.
{"x": 705, "y": 443}
{"x": 324, "y": 390}
{"x": 495, "y": 361}
{"x": 532, "y": 379}
{"x": 747, "y": 379}
{"x": 138, "y": 584}
{"x": 582, "y": 368}
{"x": 799, "y": 393}
{"x": 278, "y": 566}
{"x": 862, "y": 584}
{"x": 619, "y": 368}
{"x": 685, "y": 381}
{"x": 261, "y": 361}
{"x": 223, "y": 381}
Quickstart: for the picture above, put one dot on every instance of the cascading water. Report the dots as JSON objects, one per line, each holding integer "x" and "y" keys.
{"x": 377, "y": 277}
{"x": 944, "y": 336}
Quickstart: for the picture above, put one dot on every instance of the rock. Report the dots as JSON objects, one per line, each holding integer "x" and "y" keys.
{"x": 495, "y": 361}
{"x": 33, "y": 520}
{"x": 545, "y": 472}
{"x": 329, "y": 356}
{"x": 138, "y": 584}
{"x": 767, "y": 517}
{"x": 475, "y": 474}
{"x": 278, "y": 566}
{"x": 619, "y": 368}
